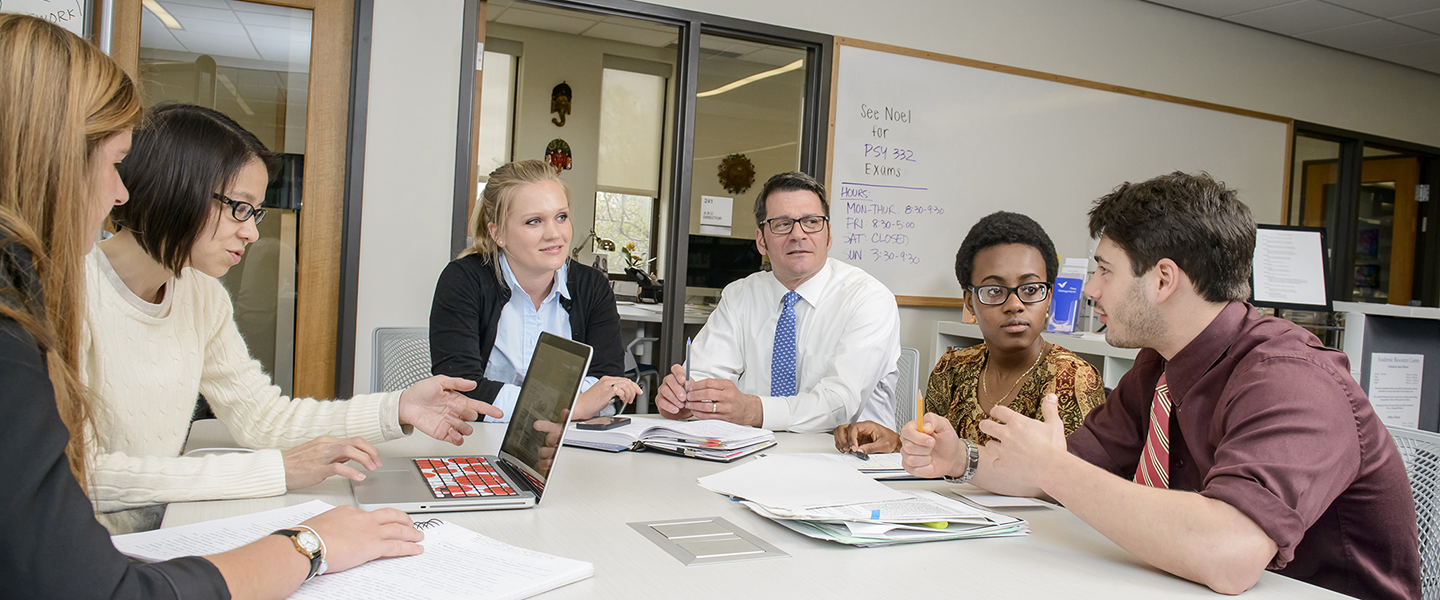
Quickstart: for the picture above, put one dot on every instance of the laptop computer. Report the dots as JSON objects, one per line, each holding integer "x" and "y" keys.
{"x": 516, "y": 477}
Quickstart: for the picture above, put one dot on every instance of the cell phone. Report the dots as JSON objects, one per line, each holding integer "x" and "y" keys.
{"x": 603, "y": 423}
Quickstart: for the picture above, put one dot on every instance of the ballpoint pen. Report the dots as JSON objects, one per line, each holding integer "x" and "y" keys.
{"x": 687, "y": 372}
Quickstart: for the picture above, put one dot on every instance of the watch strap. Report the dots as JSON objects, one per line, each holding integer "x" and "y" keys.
{"x": 972, "y": 455}
{"x": 316, "y": 560}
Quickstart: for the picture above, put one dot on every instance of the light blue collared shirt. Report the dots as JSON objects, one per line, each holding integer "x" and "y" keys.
{"x": 518, "y": 331}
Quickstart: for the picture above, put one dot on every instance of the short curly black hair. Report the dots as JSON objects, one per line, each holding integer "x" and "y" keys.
{"x": 1004, "y": 228}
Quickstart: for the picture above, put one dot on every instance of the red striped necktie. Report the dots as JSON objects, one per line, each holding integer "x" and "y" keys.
{"x": 1154, "y": 467}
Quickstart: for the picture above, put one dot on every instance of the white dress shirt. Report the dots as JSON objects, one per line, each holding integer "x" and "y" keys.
{"x": 517, "y": 333}
{"x": 848, "y": 330}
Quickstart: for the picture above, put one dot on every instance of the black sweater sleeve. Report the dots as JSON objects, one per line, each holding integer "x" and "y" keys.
{"x": 599, "y": 323}
{"x": 51, "y": 546}
{"x": 462, "y": 330}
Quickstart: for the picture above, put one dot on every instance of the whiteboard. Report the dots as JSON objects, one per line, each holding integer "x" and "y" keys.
{"x": 69, "y": 14}
{"x": 922, "y": 149}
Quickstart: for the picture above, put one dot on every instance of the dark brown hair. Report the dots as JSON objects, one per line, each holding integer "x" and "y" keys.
{"x": 1190, "y": 219}
{"x": 180, "y": 156}
{"x": 792, "y": 181}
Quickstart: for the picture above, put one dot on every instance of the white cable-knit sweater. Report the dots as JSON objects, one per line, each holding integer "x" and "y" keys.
{"x": 146, "y": 373}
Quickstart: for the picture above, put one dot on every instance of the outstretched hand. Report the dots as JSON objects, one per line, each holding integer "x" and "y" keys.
{"x": 1025, "y": 448}
{"x": 438, "y": 407}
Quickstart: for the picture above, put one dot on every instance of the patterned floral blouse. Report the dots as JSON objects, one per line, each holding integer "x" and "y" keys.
{"x": 954, "y": 386}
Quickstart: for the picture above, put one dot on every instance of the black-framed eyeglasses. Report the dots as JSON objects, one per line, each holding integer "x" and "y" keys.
{"x": 784, "y": 225}
{"x": 241, "y": 210}
{"x": 1028, "y": 293}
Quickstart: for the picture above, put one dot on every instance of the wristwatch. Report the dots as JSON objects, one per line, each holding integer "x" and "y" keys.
{"x": 972, "y": 452}
{"x": 308, "y": 543}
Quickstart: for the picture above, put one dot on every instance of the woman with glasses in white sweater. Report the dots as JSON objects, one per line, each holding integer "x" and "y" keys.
{"x": 160, "y": 331}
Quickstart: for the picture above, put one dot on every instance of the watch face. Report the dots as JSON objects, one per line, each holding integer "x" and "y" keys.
{"x": 308, "y": 541}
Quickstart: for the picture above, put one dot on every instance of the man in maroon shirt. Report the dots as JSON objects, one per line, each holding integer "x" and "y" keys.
{"x": 1265, "y": 452}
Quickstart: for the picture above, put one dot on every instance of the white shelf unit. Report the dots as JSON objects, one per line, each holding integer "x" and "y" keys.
{"x": 1112, "y": 362}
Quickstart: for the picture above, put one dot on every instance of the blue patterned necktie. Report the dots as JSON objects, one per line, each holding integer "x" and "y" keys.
{"x": 782, "y": 359}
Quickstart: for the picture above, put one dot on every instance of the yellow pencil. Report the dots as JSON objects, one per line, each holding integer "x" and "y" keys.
{"x": 920, "y": 414}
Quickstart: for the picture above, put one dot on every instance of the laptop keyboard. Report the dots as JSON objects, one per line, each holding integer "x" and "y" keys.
{"x": 463, "y": 477}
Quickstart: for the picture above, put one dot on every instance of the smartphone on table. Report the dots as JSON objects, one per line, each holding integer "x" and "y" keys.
{"x": 603, "y": 423}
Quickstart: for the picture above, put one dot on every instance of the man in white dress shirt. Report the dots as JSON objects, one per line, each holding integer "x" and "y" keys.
{"x": 805, "y": 347}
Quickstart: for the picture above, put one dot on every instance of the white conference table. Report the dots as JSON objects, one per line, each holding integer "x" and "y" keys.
{"x": 593, "y": 494}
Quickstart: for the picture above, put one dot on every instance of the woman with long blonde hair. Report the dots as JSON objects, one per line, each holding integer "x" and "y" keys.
{"x": 517, "y": 280}
{"x": 65, "y": 123}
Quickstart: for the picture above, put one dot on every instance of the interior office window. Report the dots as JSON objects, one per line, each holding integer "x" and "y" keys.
{"x": 250, "y": 61}
{"x": 632, "y": 121}
{"x": 497, "y": 106}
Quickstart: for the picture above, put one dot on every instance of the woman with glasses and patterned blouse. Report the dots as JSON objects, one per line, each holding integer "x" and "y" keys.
{"x": 160, "y": 332}
{"x": 1007, "y": 265}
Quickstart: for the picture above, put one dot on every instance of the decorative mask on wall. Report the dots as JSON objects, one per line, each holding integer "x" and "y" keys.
{"x": 737, "y": 173}
{"x": 557, "y": 153}
{"x": 560, "y": 103}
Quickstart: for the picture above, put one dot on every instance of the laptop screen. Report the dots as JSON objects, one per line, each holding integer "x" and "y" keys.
{"x": 552, "y": 384}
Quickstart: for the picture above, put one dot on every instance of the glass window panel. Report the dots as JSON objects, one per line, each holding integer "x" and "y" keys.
{"x": 1386, "y": 227}
{"x": 632, "y": 117}
{"x": 497, "y": 110}
{"x": 748, "y": 122}
{"x": 250, "y": 61}
{"x": 626, "y": 220}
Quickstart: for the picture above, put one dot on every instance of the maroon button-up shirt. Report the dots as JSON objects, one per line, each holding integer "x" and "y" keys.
{"x": 1268, "y": 420}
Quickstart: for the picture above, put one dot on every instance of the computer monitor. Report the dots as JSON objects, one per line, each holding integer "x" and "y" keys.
{"x": 714, "y": 261}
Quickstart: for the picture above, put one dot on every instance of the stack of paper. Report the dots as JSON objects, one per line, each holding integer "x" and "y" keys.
{"x": 828, "y": 500}
{"x": 457, "y": 562}
{"x": 877, "y": 466}
{"x": 708, "y": 440}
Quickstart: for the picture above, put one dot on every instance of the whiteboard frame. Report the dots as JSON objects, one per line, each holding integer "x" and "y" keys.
{"x": 941, "y": 301}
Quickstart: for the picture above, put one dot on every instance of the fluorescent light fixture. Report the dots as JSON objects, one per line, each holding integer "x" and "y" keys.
{"x": 746, "y": 81}
{"x": 160, "y": 12}
{"x": 230, "y": 87}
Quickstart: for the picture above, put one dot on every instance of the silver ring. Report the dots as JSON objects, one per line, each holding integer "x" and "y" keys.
{"x": 712, "y": 407}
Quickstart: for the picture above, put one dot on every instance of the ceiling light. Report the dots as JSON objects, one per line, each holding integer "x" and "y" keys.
{"x": 748, "y": 80}
{"x": 162, "y": 14}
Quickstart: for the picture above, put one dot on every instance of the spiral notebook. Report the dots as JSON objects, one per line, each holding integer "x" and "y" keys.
{"x": 457, "y": 562}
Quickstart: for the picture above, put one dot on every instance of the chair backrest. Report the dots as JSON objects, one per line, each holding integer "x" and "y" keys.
{"x": 907, "y": 388}
{"x": 400, "y": 357}
{"x": 1421, "y": 452}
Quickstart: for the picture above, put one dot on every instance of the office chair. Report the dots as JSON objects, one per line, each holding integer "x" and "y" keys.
{"x": 1421, "y": 452}
{"x": 646, "y": 375}
{"x": 400, "y": 356}
{"x": 907, "y": 388}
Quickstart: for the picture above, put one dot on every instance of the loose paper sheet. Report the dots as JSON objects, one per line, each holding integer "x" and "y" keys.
{"x": 1395, "y": 387}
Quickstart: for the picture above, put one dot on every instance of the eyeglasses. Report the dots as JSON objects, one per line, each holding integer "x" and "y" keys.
{"x": 784, "y": 225}
{"x": 1028, "y": 293}
{"x": 241, "y": 210}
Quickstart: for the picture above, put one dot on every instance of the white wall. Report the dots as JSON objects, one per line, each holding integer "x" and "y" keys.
{"x": 1122, "y": 42}
{"x": 409, "y": 166}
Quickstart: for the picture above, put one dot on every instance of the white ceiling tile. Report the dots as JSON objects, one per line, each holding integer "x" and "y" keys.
{"x": 1368, "y": 36}
{"x": 632, "y": 35}
{"x": 261, "y": 33}
{"x": 221, "y": 4}
{"x": 1387, "y": 8}
{"x": 1419, "y": 53}
{"x": 297, "y": 22}
{"x": 1300, "y": 17}
{"x": 240, "y": 6}
{"x": 1219, "y": 8}
{"x": 217, "y": 45}
{"x": 154, "y": 34}
{"x": 775, "y": 56}
{"x": 545, "y": 21}
{"x": 1428, "y": 20}
{"x": 183, "y": 11}
{"x": 231, "y": 28}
